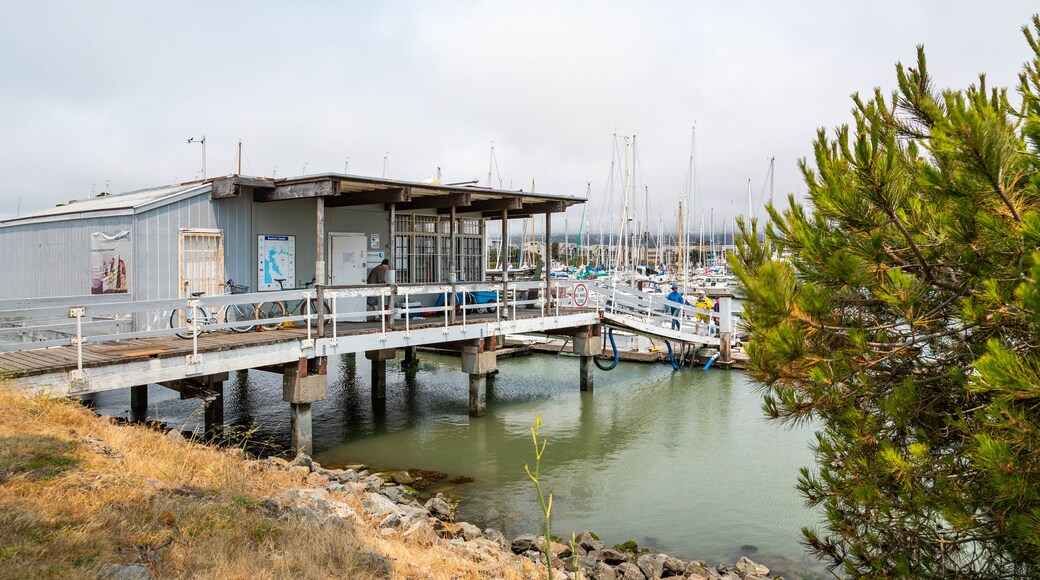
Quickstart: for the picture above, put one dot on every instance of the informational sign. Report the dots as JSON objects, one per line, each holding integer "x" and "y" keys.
{"x": 374, "y": 259}
{"x": 276, "y": 259}
{"x": 109, "y": 262}
{"x": 581, "y": 295}
{"x": 373, "y": 241}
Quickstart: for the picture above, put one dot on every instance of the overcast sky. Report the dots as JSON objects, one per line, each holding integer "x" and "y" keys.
{"x": 97, "y": 93}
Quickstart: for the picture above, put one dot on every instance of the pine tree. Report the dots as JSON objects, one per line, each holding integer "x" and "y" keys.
{"x": 901, "y": 314}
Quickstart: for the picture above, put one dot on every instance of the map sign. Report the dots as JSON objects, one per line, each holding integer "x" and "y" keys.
{"x": 276, "y": 259}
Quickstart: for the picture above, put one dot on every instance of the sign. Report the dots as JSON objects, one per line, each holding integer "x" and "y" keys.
{"x": 109, "y": 261}
{"x": 581, "y": 295}
{"x": 374, "y": 259}
{"x": 275, "y": 259}
{"x": 373, "y": 242}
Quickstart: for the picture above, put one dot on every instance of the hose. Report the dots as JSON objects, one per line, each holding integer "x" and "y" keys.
{"x": 617, "y": 357}
{"x": 711, "y": 360}
{"x": 671, "y": 356}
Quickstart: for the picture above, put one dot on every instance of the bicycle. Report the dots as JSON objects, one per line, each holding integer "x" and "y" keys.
{"x": 279, "y": 309}
{"x": 191, "y": 319}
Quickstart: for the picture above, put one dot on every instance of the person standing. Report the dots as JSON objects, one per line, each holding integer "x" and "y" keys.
{"x": 705, "y": 303}
{"x": 676, "y": 311}
{"x": 377, "y": 276}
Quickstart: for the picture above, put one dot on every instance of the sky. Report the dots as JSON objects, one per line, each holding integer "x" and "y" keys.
{"x": 103, "y": 96}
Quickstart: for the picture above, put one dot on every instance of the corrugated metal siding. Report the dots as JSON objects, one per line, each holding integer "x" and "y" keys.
{"x": 235, "y": 217}
{"x": 53, "y": 259}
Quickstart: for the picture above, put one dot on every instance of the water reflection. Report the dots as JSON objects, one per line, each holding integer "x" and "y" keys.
{"x": 682, "y": 462}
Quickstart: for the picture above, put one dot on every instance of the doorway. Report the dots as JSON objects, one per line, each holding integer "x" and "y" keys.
{"x": 347, "y": 264}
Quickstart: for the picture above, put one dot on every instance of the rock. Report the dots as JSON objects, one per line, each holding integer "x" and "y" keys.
{"x": 336, "y": 488}
{"x": 348, "y": 476}
{"x": 97, "y": 445}
{"x": 378, "y": 505}
{"x": 387, "y": 532}
{"x": 673, "y": 566}
{"x": 748, "y": 567}
{"x": 278, "y": 462}
{"x": 301, "y": 471}
{"x": 524, "y": 543}
{"x": 602, "y": 572}
{"x": 304, "y": 460}
{"x": 610, "y": 556}
{"x": 392, "y": 520}
{"x": 175, "y": 435}
{"x": 558, "y": 550}
{"x": 420, "y": 532}
{"x": 589, "y": 543}
{"x": 372, "y": 483}
{"x": 439, "y": 508}
{"x": 402, "y": 478}
{"x": 377, "y": 565}
{"x": 316, "y": 479}
{"x": 120, "y": 572}
{"x": 697, "y": 570}
{"x": 411, "y": 514}
{"x": 629, "y": 571}
{"x": 497, "y": 537}
{"x": 469, "y": 531}
{"x": 652, "y": 565}
{"x": 236, "y": 452}
{"x": 392, "y": 493}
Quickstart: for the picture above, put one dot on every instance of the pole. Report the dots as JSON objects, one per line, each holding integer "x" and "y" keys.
{"x": 239, "y": 170}
{"x": 319, "y": 241}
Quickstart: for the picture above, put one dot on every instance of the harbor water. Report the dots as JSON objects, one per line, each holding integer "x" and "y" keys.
{"x": 680, "y": 462}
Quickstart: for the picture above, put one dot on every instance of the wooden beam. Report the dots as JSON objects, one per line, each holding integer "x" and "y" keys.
{"x": 396, "y": 195}
{"x": 232, "y": 186}
{"x": 490, "y": 205}
{"x": 530, "y": 209}
{"x": 326, "y": 188}
{"x": 436, "y": 201}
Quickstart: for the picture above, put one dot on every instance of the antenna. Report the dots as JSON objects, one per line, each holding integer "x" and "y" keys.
{"x": 239, "y": 171}
{"x": 274, "y": 172}
{"x": 202, "y": 141}
{"x": 346, "y": 165}
{"x": 304, "y": 168}
{"x": 386, "y": 165}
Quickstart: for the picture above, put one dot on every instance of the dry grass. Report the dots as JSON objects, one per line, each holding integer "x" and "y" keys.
{"x": 78, "y": 492}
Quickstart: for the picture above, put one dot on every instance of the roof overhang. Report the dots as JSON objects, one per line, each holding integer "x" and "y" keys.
{"x": 342, "y": 190}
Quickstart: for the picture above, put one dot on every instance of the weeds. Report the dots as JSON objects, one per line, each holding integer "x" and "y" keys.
{"x": 546, "y": 501}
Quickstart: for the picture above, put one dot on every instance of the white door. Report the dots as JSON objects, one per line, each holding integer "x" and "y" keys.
{"x": 347, "y": 267}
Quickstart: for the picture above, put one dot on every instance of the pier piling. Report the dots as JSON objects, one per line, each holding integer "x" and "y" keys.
{"x": 379, "y": 358}
{"x": 139, "y": 402}
{"x": 303, "y": 384}
{"x": 214, "y": 407}
{"x": 411, "y": 357}
{"x": 587, "y": 343}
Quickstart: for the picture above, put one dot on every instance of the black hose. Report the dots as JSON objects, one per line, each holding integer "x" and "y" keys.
{"x": 671, "y": 356}
{"x": 617, "y": 357}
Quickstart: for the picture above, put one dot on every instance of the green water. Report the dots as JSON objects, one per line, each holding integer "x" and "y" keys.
{"x": 680, "y": 462}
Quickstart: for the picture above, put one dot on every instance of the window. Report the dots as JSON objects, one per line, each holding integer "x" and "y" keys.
{"x": 423, "y": 249}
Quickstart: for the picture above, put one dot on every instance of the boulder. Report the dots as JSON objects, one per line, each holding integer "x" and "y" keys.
{"x": 348, "y": 476}
{"x": 610, "y": 556}
{"x": 589, "y": 543}
{"x": 420, "y": 532}
{"x": 629, "y": 571}
{"x": 302, "y": 459}
{"x": 376, "y": 565}
{"x": 673, "y": 566}
{"x": 497, "y": 537}
{"x": 439, "y": 508}
{"x": 300, "y": 471}
{"x": 393, "y": 493}
{"x": 378, "y": 505}
{"x": 697, "y": 571}
{"x": 524, "y": 543}
{"x": 372, "y": 483}
{"x": 652, "y": 565}
{"x": 175, "y": 435}
{"x": 277, "y": 462}
{"x": 469, "y": 531}
{"x": 402, "y": 478}
{"x": 748, "y": 567}
{"x": 120, "y": 572}
{"x": 602, "y": 572}
{"x": 316, "y": 479}
{"x": 411, "y": 514}
{"x": 392, "y": 520}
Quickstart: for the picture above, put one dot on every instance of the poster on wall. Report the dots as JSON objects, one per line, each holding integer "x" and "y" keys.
{"x": 276, "y": 259}
{"x": 109, "y": 262}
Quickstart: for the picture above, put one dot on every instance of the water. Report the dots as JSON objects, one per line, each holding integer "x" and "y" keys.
{"x": 682, "y": 463}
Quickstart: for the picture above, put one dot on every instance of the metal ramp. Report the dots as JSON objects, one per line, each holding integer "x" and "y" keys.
{"x": 651, "y": 314}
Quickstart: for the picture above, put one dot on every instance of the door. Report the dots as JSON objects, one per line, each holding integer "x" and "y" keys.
{"x": 347, "y": 267}
{"x": 201, "y": 262}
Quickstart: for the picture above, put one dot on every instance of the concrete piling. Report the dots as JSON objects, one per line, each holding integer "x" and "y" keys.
{"x": 379, "y": 358}
{"x": 303, "y": 384}
{"x": 139, "y": 402}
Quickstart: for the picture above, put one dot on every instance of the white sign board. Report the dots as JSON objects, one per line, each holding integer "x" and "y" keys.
{"x": 373, "y": 241}
{"x": 109, "y": 261}
{"x": 374, "y": 259}
{"x": 275, "y": 259}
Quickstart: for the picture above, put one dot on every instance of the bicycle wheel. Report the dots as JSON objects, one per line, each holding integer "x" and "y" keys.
{"x": 314, "y": 312}
{"x": 244, "y": 313}
{"x": 267, "y": 310}
{"x": 183, "y": 318}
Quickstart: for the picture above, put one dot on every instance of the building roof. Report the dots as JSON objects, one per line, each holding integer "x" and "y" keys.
{"x": 110, "y": 205}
